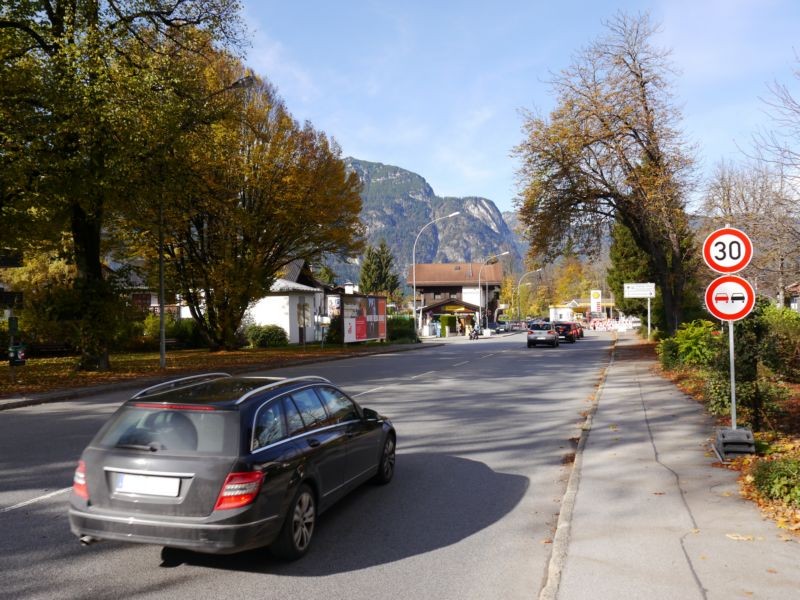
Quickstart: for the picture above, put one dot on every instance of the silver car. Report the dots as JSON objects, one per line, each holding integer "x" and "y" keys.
{"x": 542, "y": 332}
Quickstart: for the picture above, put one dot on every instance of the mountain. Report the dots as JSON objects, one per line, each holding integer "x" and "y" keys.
{"x": 397, "y": 204}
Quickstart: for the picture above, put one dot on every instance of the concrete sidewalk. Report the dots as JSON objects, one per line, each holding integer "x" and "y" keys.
{"x": 648, "y": 516}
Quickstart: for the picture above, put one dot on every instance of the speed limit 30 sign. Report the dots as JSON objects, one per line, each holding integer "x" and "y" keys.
{"x": 727, "y": 250}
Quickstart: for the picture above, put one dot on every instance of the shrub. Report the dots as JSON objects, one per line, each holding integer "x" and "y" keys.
{"x": 778, "y": 479}
{"x": 400, "y": 329}
{"x": 781, "y": 346}
{"x": 187, "y": 334}
{"x": 266, "y": 336}
{"x": 762, "y": 395}
{"x": 698, "y": 342}
{"x": 667, "y": 350}
{"x": 335, "y": 333}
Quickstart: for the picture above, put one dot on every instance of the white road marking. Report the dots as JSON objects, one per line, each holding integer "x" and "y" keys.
{"x": 369, "y": 391}
{"x": 421, "y": 374}
{"x": 461, "y": 363}
{"x": 37, "y": 499}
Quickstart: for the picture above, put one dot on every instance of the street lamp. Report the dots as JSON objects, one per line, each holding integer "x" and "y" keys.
{"x": 489, "y": 261}
{"x": 414, "y": 265}
{"x": 519, "y": 283}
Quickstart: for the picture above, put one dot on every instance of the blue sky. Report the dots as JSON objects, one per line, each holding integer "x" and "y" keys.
{"x": 436, "y": 87}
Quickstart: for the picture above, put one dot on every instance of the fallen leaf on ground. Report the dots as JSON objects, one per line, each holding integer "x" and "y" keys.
{"x": 739, "y": 538}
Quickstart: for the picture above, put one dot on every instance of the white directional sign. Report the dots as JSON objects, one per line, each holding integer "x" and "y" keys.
{"x": 639, "y": 290}
{"x": 727, "y": 250}
{"x": 730, "y": 298}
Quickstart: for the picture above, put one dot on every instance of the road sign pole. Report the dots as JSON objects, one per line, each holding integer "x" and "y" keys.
{"x": 648, "y": 317}
{"x": 733, "y": 375}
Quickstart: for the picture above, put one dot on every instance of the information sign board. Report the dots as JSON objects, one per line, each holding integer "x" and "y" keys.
{"x": 639, "y": 290}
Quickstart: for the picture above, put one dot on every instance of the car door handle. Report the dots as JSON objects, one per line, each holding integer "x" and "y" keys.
{"x": 313, "y": 442}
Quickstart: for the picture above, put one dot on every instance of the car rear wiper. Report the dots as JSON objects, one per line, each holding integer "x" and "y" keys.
{"x": 152, "y": 446}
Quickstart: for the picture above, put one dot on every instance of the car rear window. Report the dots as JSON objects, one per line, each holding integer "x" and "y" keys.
{"x": 169, "y": 431}
{"x": 539, "y": 326}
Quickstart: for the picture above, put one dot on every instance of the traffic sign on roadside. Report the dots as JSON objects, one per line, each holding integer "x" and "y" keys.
{"x": 639, "y": 290}
{"x": 727, "y": 250}
{"x": 730, "y": 298}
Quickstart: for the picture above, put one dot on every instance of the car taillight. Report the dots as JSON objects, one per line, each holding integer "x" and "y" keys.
{"x": 79, "y": 481}
{"x": 239, "y": 489}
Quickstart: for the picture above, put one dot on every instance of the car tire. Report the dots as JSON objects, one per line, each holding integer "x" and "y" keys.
{"x": 295, "y": 536}
{"x": 531, "y": 345}
{"x": 386, "y": 466}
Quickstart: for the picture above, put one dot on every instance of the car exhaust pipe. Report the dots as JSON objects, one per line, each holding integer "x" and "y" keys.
{"x": 87, "y": 539}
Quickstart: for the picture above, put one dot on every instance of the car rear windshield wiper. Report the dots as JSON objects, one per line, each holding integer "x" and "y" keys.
{"x": 152, "y": 446}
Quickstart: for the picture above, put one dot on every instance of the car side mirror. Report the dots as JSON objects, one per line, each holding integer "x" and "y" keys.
{"x": 369, "y": 414}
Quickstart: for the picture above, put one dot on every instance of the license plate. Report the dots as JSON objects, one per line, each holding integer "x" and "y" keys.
{"x": 128, "y": 483}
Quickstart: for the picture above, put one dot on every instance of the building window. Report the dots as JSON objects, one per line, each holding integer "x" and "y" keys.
{"x": 437, "y": 295}
{"x": 453, "y": 295}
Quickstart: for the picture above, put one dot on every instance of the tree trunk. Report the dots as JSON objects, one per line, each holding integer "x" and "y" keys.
{"x": 94, "y": 295}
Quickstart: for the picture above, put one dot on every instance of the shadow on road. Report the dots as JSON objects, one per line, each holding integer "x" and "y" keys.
{"x": 434, "y": 501}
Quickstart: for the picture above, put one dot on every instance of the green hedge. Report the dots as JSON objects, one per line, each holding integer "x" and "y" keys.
{"x": 448, "y": 321}
{"x": 400, "y": 329}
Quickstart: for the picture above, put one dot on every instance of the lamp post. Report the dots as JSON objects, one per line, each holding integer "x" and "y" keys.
{"x": 519, "y": 283}
{"x": 488, "y": 261}
{"x": 414, "y": 265}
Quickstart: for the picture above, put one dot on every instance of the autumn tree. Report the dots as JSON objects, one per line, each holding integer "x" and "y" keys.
{"x": 265, "y": 191}
{"x": 757, "y": 197}
{"x": 377, "y": 271}
{"x": 65, "y": 164}
{"x": 610, "y": 152}
{"x": 569, "y": 280}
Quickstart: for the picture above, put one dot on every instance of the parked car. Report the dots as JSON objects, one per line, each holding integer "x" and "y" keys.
{"x": 567, "y": 331}
{"x": 501, "y": 327}
{"x": 541, "y": 332}
{"x": 220, "y": 464}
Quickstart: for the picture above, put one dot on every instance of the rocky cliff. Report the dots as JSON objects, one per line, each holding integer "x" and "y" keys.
{"x": 398, "y": 203}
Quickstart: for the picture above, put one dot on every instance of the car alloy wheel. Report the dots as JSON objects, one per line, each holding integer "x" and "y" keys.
{"x": 386, "y": 466}
{"x": 295, "y": 537}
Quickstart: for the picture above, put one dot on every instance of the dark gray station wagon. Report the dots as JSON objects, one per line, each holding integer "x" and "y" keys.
{"x": 220, "y": 464}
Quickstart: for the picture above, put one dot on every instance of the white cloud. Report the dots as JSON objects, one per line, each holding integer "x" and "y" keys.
{"x": 269, "y": 59}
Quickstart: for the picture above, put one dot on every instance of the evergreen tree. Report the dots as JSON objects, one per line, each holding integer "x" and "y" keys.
{"x": 377, "y": 271}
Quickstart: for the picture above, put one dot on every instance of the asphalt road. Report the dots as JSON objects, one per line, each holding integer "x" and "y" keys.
{"x": 484, "y": 433}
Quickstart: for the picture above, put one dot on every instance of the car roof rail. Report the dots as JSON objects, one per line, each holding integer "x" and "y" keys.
{"x": 281, "y": 381}
{"x": 181, "y": 382}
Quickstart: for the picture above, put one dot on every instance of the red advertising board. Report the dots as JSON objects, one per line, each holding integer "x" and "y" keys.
{"x": 364, "y": 317}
